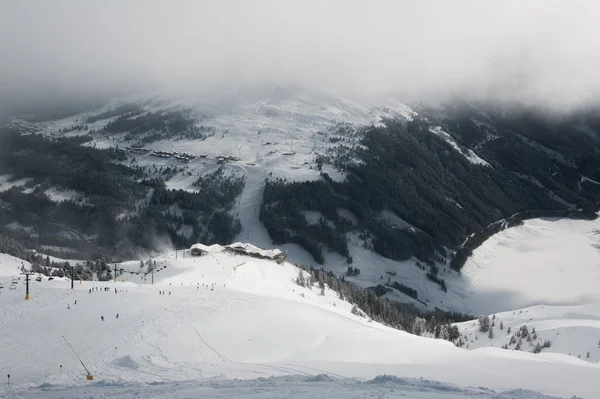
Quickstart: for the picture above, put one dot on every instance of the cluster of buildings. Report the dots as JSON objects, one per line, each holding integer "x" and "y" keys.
{"x": 240, "y": 249}
{"x": 183, "y": 156}
{"x": 137, "y": 150}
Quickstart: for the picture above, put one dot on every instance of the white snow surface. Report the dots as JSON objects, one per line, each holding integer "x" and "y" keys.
{"x": 6, "y": 183}
{"x": 571, "y": 330}
{"x": 227, "y": 317}
{"x": 547, "y": 261}
{"x": 468, "y": 153}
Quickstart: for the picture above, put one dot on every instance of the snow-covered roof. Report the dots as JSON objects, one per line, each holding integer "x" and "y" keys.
{"x": 206, "y": 248}
{"x": 251, "y": 249}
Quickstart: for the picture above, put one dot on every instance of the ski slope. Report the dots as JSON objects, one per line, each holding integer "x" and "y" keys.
{"x": 226, "y": 317}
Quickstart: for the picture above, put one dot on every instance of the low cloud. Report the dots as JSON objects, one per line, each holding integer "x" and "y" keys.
{"x": 540, "y": 52}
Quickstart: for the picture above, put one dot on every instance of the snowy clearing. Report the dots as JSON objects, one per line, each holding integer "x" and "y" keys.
{"x": 544, "y": 261}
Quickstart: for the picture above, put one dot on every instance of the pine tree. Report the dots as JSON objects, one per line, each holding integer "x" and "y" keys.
{"x": 300, "y": 280}
{"x": 508, "y": 331}
{"x": 588, "y": 355}
{"x": 444, "y": 333}
{"x": 524, "y": 331}
{"x": 419, "y": 326}
{"x": 484, "y": 324}
{"x": 501, "y": 326}
{"x": 491, "y": 333}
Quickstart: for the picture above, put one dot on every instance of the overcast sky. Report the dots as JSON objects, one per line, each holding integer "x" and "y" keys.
{"x": 539, "y": 51}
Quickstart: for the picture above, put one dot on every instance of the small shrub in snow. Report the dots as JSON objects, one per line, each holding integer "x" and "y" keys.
{"x": 546, "y": 344}
{"x": 356, "y": 311}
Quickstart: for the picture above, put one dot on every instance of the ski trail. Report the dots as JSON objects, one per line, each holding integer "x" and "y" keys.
{"x": 223, "y": 358}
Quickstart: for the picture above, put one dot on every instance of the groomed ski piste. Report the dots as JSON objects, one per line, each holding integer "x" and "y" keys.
{"x": 232, "y": 326}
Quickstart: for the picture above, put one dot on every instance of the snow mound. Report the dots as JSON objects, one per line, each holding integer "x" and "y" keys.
{"x": 320, "y": 378}
{"x": 125, "y": 362}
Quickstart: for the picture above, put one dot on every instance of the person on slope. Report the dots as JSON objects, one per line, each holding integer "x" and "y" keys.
{"x": 102, "y": 318}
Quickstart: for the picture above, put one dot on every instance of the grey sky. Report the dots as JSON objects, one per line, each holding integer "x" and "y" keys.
{"x": 540, "y": 51}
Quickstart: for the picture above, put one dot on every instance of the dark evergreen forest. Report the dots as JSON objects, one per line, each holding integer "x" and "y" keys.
{"x": 122, "y": 210}
{"x": 417, "y": 175}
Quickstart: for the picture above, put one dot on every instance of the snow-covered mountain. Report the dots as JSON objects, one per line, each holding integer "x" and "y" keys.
{"x": 369, "y": 184}
{"x": 225, "y": 316}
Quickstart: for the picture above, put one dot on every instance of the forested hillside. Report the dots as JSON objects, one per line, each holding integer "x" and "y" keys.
{"x": 439, "y": 195}
{"x": 432, "y": 185}
{"x": 116, "y": 210}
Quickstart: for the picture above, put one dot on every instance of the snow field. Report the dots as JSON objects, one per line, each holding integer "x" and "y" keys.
{"x": 545, "y": 261}
{"x": 230, "y": 316}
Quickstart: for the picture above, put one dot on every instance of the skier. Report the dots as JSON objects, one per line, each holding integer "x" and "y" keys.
{"x": 90, "y": 290}
{"x": 115, "y": 290}
{"x": 117, "y": 315}
{"x": 102, "y": 318}
{"x": 68, "y": 306}
{"x": 75, "y": 301}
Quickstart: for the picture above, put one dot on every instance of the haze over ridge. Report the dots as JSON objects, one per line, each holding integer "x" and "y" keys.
{"x": 540, "y": 52}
